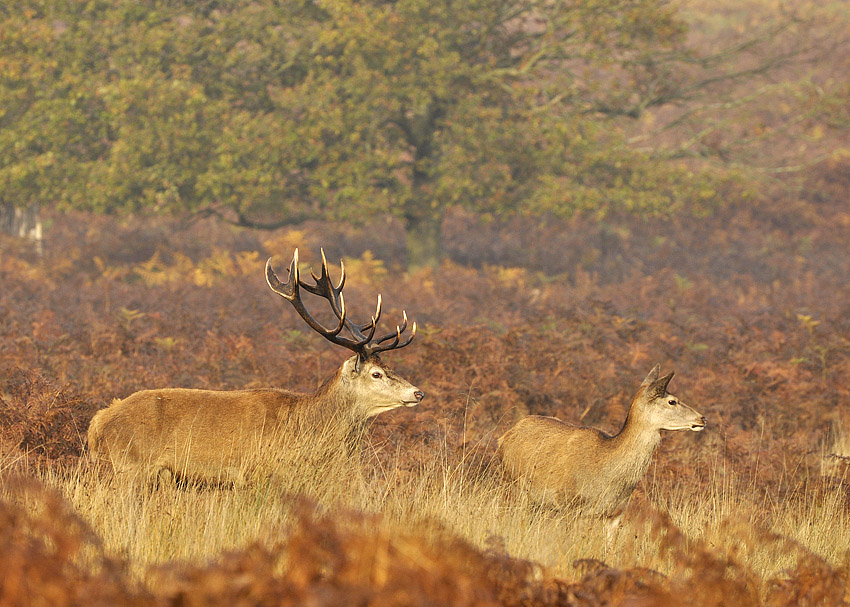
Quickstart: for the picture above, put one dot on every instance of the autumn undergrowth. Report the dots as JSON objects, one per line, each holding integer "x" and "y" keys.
{"x": 748, "y": 307}
{"x": 147, "y": 527}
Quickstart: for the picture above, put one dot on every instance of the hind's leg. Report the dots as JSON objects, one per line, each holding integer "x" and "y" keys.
{"x": 612, "y": 529}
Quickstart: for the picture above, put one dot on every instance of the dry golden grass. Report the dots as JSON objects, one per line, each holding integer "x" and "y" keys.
{"x": 383, "y": 522}
{"x": 766, "y": 538}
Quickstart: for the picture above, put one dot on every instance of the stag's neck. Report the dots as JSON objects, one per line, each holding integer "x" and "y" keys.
{"x": 333, "y": 400}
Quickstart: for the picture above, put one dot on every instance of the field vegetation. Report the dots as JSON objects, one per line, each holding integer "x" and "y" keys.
{"x": 748, "y": 306}
{"x": 705, "y": 230}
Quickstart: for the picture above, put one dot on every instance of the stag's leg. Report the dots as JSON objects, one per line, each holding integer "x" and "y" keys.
{"x": 128, "y": 473}
{"x": 124, "y": 467}
{"x": 161, "y": 477}
{"x": 234, "y": 476}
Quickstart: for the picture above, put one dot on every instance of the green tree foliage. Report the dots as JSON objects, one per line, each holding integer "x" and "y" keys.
{"x": 267, "y": 113}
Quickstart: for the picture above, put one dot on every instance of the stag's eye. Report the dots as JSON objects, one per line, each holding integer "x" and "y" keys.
{"x": 377, "y": 374}
{"x": 671, "y": 402}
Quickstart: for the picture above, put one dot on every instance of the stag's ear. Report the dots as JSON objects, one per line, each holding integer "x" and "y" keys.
{"x": 358, "y": 363}
{"x": 351, "y": 367}
{"x": 653, "y": 376}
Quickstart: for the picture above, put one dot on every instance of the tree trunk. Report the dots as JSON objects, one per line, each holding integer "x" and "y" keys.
{"x": 424, "y": 243}
{"x": 22, "y": 223}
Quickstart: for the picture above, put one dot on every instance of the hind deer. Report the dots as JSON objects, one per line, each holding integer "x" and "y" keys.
{"x": 207, "y": 435}
{"x": 580, "y": 467}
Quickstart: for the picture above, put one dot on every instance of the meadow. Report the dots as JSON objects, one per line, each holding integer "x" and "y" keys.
{"x": 746, "y": 299}
{"x": 748, "y": 306}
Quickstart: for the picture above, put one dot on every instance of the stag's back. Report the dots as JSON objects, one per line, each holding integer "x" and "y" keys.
{"x": 191, "y": 433}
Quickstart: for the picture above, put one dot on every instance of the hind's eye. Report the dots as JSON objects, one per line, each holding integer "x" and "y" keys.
{"x": 377, "y": 375}
{"x": 671, "y": 402}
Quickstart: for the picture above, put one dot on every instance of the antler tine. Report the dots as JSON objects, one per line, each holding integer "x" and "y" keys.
{"x": 363, "y": 341}
{"x": 325, "y": 275}
{"x": 398, "y": 330}
{"x": 375, "y": 318}
{"x": 376, "y": 347}
{"x": 342, "y": 319}
{"x": 372, "y": 327}
{"x": 341, "y": 283}
{"x": 321, "y": 282}
{"x": 319, "y": 279}
{"x": 290, "y": 292}
{"x": 409, "y": 339}
{"x": 323, "y": 286}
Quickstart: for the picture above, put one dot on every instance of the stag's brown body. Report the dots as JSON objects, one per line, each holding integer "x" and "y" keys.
{"x": 194, "y": 434}
{"x": 222, "y": 436}
{"x": 576, "y": 466}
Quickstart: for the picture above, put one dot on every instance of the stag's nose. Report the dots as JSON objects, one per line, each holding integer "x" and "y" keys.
{"x": 419, "y": 394}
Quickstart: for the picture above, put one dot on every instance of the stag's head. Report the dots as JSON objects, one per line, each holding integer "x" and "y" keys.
{"x": 374, "y": 386}
{"x": 658, "y": 408}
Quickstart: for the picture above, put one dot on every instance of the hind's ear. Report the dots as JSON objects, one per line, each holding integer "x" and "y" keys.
{"x": 653, "y": 376}
{"x": 658, "y": 388}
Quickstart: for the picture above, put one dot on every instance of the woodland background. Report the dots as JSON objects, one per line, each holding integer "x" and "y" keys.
{"x": 561, "y": 195}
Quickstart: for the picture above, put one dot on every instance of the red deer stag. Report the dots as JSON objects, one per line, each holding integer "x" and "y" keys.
{"x": 580, "y": 467}
{"x": 212, "y": 436}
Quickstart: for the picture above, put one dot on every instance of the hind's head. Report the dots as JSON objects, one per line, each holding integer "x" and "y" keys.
{"x": 662, "y": 410}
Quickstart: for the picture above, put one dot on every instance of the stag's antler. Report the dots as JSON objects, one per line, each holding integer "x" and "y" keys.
{"x": 363, "y": 340}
